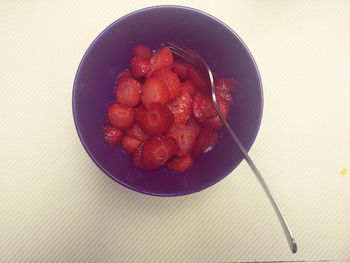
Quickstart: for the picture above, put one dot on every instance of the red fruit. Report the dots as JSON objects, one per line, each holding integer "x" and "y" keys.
{"x": 137, "y": 133}
{"x": 141, "y": 51}
{"x": 155, "y": 120}
{"x": 181, "y": 107}
{"x": 216, "y": 122}
{"x": 121, "y": 116}
{"x": 224, "y": 107}
{"x": 222, "y": 90}
{"x": 139, "y": 67}
{"x": 171, "y": 80}
{"x": 181, "y": 68}
{"x": 229, "y": 84}
{"x": 128, "y": 91}
{"x": 161, "y": 129}
{"x": 161, "y": 59}
{"x": 185, "y": 136}
{"x": 188, "y": 86}
{"x": 157, "y": 151}
{"x": 125, "y": 74}
{"x": 137, "y": 157}
{"x": 198, "y": 79}
{"x": 130, "y": 144}
{"x": 112, "y": 134}
{"x": 206, "y": 139}
{"x": 203, "y": 107}
{"x": 154, "y": 90}
{"x": 180, "y": 164}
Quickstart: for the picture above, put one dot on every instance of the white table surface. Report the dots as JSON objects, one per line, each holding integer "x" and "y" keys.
{"x": 57, "y": 206}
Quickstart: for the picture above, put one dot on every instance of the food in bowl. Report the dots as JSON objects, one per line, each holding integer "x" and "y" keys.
{"x": 164, "y": 113}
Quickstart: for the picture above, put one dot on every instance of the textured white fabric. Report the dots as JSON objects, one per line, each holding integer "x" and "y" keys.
{"x": 57, "y": 206}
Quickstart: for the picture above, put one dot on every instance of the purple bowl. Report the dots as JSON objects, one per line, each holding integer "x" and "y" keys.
{"x": 110, "y": 53}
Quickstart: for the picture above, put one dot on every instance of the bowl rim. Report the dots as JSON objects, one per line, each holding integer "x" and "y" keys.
{"x": 134, "y": 188}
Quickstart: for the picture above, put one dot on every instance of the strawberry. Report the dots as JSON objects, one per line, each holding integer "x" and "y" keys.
{"x": 181, "y": 107}
{"x": 188, "y": 86}
{"x": 171, "y": 80}
{"x": 222, "y": 89}
{"x": 128, "y": 91}
{"x": 125, "y": 74}
{"x": 180, "y": 164}
{"x": 130, "y": 144}
{"x": 203, "y": 107}
{"x": 229, "y": 84}
{"x": 185, "y": 136}
{"x": 142, "y": 52}
{"x": 198, "y": 79}
{"x": 137, "y": 133}
{"x": 139, "y": 67}
{"x": 155, "y": 120}
{"x": 112, "y": 134}
{"x": 154, "y": 90}
{"x": 157, "y": 151}
{"x": 216, "y": 122}
{"x": 161, "y": 59}
{"x": 206, "y": 139}
{"x": 176, "y": 120}
{"x": 121, "y": 116}
{"x": 137, "y": 157}
{"x": 181, "y": 68}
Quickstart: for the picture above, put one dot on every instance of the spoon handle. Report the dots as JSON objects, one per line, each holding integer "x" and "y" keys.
{"x": 288, "y": 233}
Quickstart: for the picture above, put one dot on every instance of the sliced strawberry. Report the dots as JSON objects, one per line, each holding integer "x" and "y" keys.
{"x": 198, "y": 79}
{"x": 155, "y": 120}
{"x": 130, "y": 144}
{"x": 125, "y": 74}
{"x": 137, "y": 157}
{"x": 222, "y": 89}
{"x": 138, "y": 109}
{"x": 181, "y": 107}
{"x": 216, "y": 122}
{"x": 188, "y": 86}
{"x": 154, "y": 90}
{"x": 157, "y": 151}
{"x": 181, "y": 68}
{"x": 139, "y": 67}
{"x": 128, "y": 91}
{"x": 112, "y": 134}
{"x": 229, "y": 84}
{"x": 185, "y": 136}
{"x": 141, "y": 51}
{"x": 161, "y": 59}
{"x": 171, "y": 80}
{"x": 121, "y": 116}
{"x": 180, "y": 164}
{"x": 206, "y": 139}
{"x": 203, "y": 107}
{"x": 136, "y": 132}
{"x": 224, "y": 107}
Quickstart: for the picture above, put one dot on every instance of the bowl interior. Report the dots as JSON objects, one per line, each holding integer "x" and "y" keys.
{"x": 110, "y": 53}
